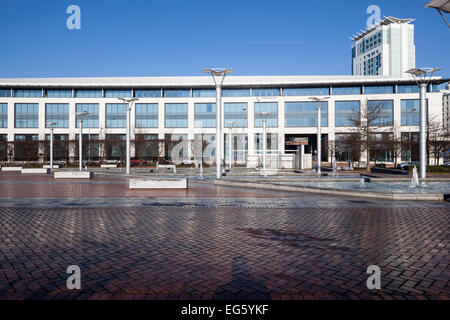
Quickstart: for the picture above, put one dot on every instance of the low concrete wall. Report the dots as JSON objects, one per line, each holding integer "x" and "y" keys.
{"x": 74, "y": 175}
{"x": 108, "y": 166}
{"x": 35, "y": 170}
{"x": 167, "y": 167}
{"x": 181, "y": 183}
{"x": 11, "y": 168}
{"x": 47, "y": 166}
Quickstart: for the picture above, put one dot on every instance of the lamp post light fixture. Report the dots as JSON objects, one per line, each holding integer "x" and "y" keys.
{"x": 318, "y": 102}
{"x": 80, "y": 137}
{"x": 129, "y": 105}
{"x": 230, "y": 144}
{"x": 410, "y": 141}
{"x": 422, "y": 76}
{"x": 263, "y": 116}
{"x": 52, "y": 127}
{"x": 218, "y": 75}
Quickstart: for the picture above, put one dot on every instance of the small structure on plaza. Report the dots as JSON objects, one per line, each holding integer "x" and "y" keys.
{"x": 301, "y": 159}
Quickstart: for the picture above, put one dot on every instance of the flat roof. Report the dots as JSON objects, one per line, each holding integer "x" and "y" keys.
{"x": 205, "y": 81}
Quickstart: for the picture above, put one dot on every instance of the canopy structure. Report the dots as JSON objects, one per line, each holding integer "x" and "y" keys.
{"x": 385, "y": 21}
{"x": 441, "y": 6}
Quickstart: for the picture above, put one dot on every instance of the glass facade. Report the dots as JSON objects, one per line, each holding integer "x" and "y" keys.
{"x": 345, "y": 112}
{"x": 88, "y": 93}
{"x": 306, "y": 91}
{"x": 378, "y": 89}
{"x": 271, "y": 144}
{"x": 27, "y": 115}
{"x": 346, "y": 90}
{"x": 31, "y": 93}
{"x": 272, "y": 117}
{"x": 146, "y": 115}
{"x": 3, "y": 115}
{"x": 147, "y": 93}
{"x": 117, "y": 93}
{"x": 116, "y": 115}
{"x": 176, "y": 115}
{"x": 183, "y": 93}
{"x": 5, "y": 93}
{"x": 304, "y": 114}
{"x": 204, "y": 93}
{"x": 205, "y": 115}
{"x": 265, "y": 92}
{"x": 92, "y": 119}
{"x": 407, "y": 89}
{"x": 57, "y": 112}
{"x": 410, "y": 112}
{"x": 235, "y": 113}
{"x": 236, "y": 92}
{"x": 386, "y": 112}
{"x": 59, "y": 93}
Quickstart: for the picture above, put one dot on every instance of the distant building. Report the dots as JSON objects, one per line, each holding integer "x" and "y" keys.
{"x": 446, "y": 107}
{"x": 385, "y": 49}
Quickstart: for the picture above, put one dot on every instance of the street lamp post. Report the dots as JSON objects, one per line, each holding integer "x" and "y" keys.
{"x": 410, "y": 120}
{"x": 52, "y": 125}
{"x": 80, "y": 137}
{"x": 263, "y": 116}
{"x": 423, "y": 77}
{"x": 319, "y": 131}
{"x": 129, "y": 104}
{"x": 218, "y": 77}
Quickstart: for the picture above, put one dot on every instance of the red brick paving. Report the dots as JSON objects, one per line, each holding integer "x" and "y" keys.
{"x": 219, "y": 253}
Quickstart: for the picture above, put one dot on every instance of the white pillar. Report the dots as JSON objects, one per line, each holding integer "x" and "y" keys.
{"x": 51, "y": 149}
{"x": 264, "y": 147}
{"x": 218, "y": 129}
{"x": 80, "y": 145}
{"x": 423, "y": 131}
{"x": 128, "y": 138}
{"x": 319, "y": 139}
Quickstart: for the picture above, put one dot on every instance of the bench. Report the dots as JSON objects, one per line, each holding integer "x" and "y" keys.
{"x": 12, "y": 168}
{"x": 167, "y": 166}
{"x": 181, "y": 183}
{"x": 36, "y": 170}
{"x": 74, "y": 175}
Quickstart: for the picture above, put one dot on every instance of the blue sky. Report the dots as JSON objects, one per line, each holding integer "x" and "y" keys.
{"x": 172, "y": 37}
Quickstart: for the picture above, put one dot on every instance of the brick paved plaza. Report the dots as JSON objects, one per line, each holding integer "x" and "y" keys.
{"x": 214, "y": 242}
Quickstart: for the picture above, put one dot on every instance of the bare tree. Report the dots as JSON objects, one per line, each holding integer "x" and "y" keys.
{"x": 438, "y": 139}
{"x": 367, "y": 122}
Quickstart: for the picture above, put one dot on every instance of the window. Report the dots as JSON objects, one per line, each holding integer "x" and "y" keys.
{"x": 57, "y": 112}
{"x": 271, "y": 144}
{"x": 272, "y": 117}
{"x": 154, "y": 93}
{"x": 5, "y": 93}
{"x": 386, "y": 106}
{"x": 116, "y": 115}
{"x": 407, "y": 89}
{"x": 235, "y": 115}
{"x": 265, "y": 92}
{"x": 346, "y": 90}
{"x": 184, "y": 93}
{"x": 27, "y": 115}
{"x": 378, "y": 89}
{"x": 304, "y": 114}
{"x": 59, "y": 93}
{"x": 411, "y": 112}
{"x": 115, "y": 146}
{"x": 236, "y": 92}
{"x": 204, "y": 93}
{"x": 88, "y": 93}
{"x": 3, "y": 115}
{"x": 32, "y": 93}
{"x": 117, "y": 93}
{"x": 306, "y": 91}
{"x": 92, "y": 119}
{"x": 344, "y": 112}
{"x": 176, "y": 115}
{"x": 205, "y": 115}
{"x": 146, "y": 115}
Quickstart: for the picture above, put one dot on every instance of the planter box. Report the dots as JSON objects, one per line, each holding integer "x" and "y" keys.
{"x": 36, "y": 170}
{"x": 167, "y": 167}
{"x": 12, "y": 169}
{"x": 158, "y": 183}
{"x": 108, "y": 166}
{"x": 74, "y": 175}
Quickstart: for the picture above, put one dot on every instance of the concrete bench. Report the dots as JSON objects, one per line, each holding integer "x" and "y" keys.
{"x": 167, "y": 166}
{"x": 47, "y": 166}
{"x": 181, "y": 183}
{"x": 74, "y": 175}
{"x": 12, "y": 168}
{"x": 108, "y": 166}
{"x": 36, "y": 170}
